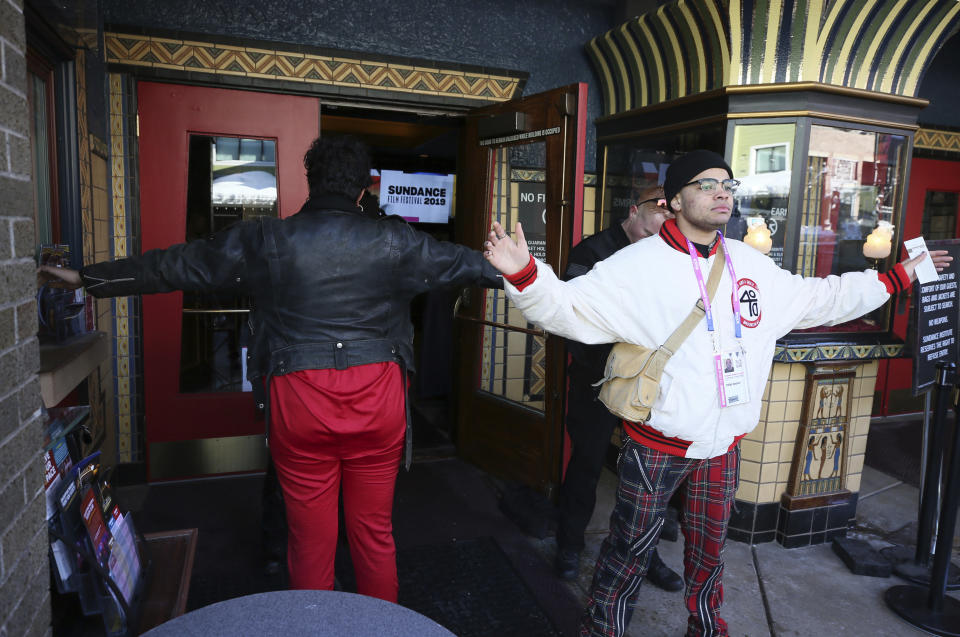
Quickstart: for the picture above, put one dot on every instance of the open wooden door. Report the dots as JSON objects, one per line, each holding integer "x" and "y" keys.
{"x": 209, "y": 157}
{"x": 522, "y": 160}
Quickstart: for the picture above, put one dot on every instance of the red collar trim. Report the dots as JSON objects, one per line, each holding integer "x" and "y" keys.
{"x": 671, "y": 234}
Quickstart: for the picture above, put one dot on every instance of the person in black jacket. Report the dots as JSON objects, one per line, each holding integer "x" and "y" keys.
{"x": 588, "y": 422}
{"x": 332, "y": 343}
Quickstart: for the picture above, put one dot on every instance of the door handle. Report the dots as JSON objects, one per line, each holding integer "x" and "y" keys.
{"x": 462, "y": 299}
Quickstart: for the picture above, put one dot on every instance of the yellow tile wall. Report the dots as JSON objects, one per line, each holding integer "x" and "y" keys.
{"x": 767, "y": 451}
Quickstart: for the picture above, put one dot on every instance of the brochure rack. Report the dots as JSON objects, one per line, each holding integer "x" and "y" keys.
{"x": 95, "y": 549}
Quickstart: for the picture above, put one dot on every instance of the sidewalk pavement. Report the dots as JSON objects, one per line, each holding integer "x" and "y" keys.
{"x": 777, "y": 592}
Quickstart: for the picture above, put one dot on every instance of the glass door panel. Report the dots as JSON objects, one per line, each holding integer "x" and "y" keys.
{"x": 229, "y": 179}
{"x": 513, "y": 351}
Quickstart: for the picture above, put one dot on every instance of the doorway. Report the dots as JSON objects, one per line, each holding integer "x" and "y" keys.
{"x": 210, "y": 157}
{"x": 411, "y": 150}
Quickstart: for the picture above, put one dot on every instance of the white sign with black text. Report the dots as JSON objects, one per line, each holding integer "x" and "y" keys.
{"x": 421, "y": 197}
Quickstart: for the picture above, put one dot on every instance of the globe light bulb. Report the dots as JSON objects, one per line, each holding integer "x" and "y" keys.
{"x": 879, "y": 243}
{"x": 758, "y": 235}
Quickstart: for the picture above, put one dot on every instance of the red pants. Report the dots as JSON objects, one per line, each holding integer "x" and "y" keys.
{"x": 331, "y": 429}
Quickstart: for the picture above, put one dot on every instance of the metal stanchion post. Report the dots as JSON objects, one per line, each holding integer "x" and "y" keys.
{"x": 929, "y": 608}
{"x": 917, "y": 570}
{"x": 935, "y": 463}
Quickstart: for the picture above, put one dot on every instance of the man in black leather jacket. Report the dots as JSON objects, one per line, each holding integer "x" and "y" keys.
{"x": 331, "y": 342}
{"x": 588, "y": 422}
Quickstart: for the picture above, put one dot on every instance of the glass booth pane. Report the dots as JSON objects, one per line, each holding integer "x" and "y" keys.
{"x": 633, "y": 164}
{"x": 761, "y": 160}
{"x": 229, "y": 179}
{"x": 512, "y": 365}
{"x": 853, "y": 183}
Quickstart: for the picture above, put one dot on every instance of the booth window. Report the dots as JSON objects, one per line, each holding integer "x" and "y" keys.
{"x": 630, "y": 165}
{"x": 761, "y": 160}
{"x": 853, "y": 183}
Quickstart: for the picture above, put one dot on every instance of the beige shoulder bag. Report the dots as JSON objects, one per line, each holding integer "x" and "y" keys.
{"x": 631, "y": 379}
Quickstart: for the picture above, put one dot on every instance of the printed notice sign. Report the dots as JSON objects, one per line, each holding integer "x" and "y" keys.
{"x": 935, "y": 319}
{"x": 532, "y": 213}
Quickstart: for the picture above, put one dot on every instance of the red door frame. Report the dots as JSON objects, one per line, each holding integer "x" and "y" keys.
{"x": 168, "y": 115}
{"x": 925, "y": 175}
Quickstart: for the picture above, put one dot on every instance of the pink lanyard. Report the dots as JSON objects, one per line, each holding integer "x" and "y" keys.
{"x": 708, "y": 310}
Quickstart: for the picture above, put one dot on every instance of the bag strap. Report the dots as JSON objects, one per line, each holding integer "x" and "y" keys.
{"x": 679, "y": 335}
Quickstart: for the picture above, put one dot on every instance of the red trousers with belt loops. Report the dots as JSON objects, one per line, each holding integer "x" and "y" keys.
{"x": 333, "y": 429}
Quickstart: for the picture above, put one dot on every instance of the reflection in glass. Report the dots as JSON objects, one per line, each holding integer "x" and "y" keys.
{"x": 761, "y": 161}
{"x": 512, "y": 365}
{"x": 629, "y": 170}
{"x": 229, "y": 179}
{"x": 632, "y": 165}
{"x": 853, "y": 181}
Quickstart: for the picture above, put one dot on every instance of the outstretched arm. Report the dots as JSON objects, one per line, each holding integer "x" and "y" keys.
{"x": 503, "y": 252}
{"x": 67, "y": 277}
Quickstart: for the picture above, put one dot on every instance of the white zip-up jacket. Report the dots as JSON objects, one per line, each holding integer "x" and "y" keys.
{"x": 642, "y": 293}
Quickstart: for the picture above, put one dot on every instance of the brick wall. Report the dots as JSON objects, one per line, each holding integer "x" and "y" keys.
{"x": 24, "y": 578}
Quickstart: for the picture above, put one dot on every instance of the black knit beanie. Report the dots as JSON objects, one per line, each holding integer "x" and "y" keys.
{"x": 689, "y": 166}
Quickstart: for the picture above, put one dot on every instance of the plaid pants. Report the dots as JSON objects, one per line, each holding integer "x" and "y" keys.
{"x": 648, "y": 479}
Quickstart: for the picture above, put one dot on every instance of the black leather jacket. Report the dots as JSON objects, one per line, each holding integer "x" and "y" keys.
{"x": 331, "y": 287}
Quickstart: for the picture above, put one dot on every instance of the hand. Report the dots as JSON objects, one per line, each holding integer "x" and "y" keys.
{"x": 64, "y": 276}
{"x": 941, "y": 259}
{"x": 503, "y": 253}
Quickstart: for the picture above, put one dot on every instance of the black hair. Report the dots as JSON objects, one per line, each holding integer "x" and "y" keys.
{"x": 337, "y": 164}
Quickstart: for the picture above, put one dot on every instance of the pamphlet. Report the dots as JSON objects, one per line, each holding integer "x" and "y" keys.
{"x": 926, "y": 272}
{"x": 63, "y": 557}
{"x": 124, "y": 562}
{"x": 96, "y": 528}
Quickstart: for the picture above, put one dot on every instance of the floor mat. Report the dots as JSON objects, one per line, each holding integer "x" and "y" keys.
{"x": 471, "y": 589}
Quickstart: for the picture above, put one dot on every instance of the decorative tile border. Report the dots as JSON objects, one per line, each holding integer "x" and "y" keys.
{"x": 934, "y": 139}
{"x": 220, "y": 59}
{"x": 124, "y": 388}
{"x": 524, "y": 174}
{"x": 834, "y": 352}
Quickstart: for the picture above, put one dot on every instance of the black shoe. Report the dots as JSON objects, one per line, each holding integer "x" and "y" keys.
{"x": 671, "y": 528}
{"x": 661, "y": 576}
{"x": 272, "y": 567}
{"x": 567, "y": 564}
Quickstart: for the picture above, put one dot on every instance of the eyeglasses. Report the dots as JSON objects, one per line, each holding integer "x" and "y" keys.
{"x": 709, "y": 184}
{"x": 661, "y": 202}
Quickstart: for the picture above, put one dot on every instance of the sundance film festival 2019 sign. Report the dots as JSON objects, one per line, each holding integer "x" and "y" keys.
{"x": 422, "y": 197}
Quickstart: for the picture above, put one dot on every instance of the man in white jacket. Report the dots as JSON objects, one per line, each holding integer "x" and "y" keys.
{"x": 640, "y": 295}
